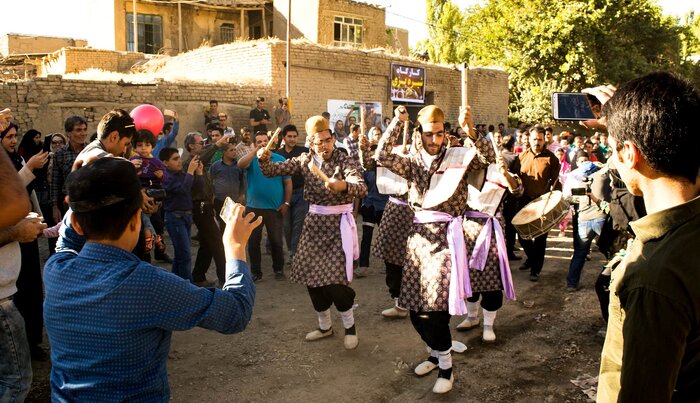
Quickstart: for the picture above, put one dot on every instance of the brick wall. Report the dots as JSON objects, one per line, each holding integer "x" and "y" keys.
{"x": 373, "y": 24}
{"x": 12, "y": 44}
{"x": 74, "y": 60}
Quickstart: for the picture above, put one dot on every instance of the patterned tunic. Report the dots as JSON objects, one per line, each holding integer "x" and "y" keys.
{"x": 320, "y": 259}
{"x": 426, "y": 276}
{"x": 392, "y": 235}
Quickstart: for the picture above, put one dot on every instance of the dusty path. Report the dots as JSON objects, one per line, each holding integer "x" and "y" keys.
{"x": 545, "y": 339}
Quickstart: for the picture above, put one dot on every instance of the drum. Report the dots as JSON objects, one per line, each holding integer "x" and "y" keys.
{"x": 540, "y": 215}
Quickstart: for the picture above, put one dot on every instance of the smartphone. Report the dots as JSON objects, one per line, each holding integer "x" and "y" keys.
{"x": 574, "y": 106}
{"x": 227, "y": 209}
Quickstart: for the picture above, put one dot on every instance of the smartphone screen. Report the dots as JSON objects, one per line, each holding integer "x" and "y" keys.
{"x": 574, "y": 106}
{"x": 227, "y": 209}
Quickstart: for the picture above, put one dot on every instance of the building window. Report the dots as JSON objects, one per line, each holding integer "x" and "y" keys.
{"x": 226, "y": 33}
{"x": 347, "y": 31}
{"x": 150, "y": 31}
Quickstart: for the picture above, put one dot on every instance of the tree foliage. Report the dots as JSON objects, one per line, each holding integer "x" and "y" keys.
{"x": 558, "y": 45}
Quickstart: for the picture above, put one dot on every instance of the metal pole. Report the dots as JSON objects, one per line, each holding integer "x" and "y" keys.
{"x": 136, "y": 28}
{"x": 289, "y": 44}
{"x": 179, "y": 27}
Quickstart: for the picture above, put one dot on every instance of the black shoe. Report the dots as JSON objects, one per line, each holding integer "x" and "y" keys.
{"x": 279, "y": 276}
{"x": 525, "y": 265}
{"x": 257, "y": 277}
{"x": 38, "y": 354}
{"x": 163, "y": 257}
{"x": 534, "y": 278}
{"x": 513, "y": 256}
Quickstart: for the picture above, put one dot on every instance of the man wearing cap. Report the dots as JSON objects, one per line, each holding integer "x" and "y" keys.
{"x": 324, "y": 258}
{"x": 435, "y": 279}
{"x": 259, "y": 116}
{"x": 109, "y": 315}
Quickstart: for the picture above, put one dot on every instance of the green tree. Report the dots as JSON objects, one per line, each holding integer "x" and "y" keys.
{"x": 555, "y": 45}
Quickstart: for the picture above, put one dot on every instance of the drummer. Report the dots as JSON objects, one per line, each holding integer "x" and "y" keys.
{"x": 538, "y": 168}
{"x": 433, "y": 282}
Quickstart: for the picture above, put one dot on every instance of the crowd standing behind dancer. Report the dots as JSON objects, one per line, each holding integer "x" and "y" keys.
{"x": 435, "y": 279}
{"x": 328, "y": 245}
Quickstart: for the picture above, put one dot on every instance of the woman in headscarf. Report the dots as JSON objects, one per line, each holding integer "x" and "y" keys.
{"x": 29, "y": 298}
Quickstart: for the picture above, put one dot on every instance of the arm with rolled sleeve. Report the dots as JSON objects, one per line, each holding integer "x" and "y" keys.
{"x": 166, "y": 141}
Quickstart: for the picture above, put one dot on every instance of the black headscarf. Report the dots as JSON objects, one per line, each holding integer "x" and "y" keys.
{"x": 14, "y": 157}
{"x": 27, "y": 147}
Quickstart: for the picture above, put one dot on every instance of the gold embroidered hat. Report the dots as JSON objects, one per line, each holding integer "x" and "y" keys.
{"x": 431, "y": 114}
{"x": 316, "y": 124}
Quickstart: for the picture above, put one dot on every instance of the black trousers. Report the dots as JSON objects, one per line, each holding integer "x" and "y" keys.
{"x": 433, "y": 328}
{"x": 272, "y": 220}
{"x": 535, "y": 250}
{"x": 490, "y": 300}
{"x": 370, "y": 219}
{"x": 510, "y": 208}
{"x": 210, "y": 245}
{"x": 393, "y": 279}
{"x": 29, "y": 297}
{"x": 340, "y": 295}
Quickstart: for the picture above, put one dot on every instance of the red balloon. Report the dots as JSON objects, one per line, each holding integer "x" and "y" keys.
{"x": 148, "y": 117}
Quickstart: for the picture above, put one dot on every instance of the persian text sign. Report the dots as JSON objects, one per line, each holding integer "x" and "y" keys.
{"x": 407, "y": 83}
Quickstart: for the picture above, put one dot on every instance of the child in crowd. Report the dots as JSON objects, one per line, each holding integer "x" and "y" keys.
{"x": 151, "y": 170}
{"x": 228, "y": 180}
{"x": 178, "y": 206}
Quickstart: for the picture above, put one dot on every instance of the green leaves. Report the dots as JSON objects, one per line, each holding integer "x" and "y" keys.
{"x": 560, "y": 45}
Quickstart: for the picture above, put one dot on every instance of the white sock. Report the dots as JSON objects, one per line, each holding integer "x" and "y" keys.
{"x": 324, "y": 319}
{"x": 433, "y": 353}
{"x": 472, "y": 309}
{"x": 348, "y": 318}
{"x": 489, "y": 317}
{"x": 445, "y": 359}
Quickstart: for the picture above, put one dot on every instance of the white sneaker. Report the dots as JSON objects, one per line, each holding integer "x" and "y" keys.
{"x": 424, "y": 368}
{"x": 443, "y": 385}
{"x": 469, "y": 323}
{"x": 319, "y": 334}
{"x": 395, "y": 313}
{"x": 488, "y": 336}
{"x": 351, "y": 341}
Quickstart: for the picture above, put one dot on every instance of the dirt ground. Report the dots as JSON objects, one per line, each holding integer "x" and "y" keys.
{"x": 544, "y": 339}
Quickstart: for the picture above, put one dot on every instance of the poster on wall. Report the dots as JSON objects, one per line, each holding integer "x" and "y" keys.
{"x": 407, "y": 84}
{"x": 344, "y": 113}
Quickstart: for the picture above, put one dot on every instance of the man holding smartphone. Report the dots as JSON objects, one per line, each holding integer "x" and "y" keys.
{"x": 652, "y": 346}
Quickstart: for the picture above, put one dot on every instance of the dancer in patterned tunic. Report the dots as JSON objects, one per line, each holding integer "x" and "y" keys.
{"x": 390, "y": 244}
{"x": 434, "y": 280}
{"x": 328, "y": 244}
{"x": 489, "y": 271}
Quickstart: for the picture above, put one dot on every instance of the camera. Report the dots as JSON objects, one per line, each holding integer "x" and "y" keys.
{"x": 157, "y": 195}
{"x": 579, "y": 191}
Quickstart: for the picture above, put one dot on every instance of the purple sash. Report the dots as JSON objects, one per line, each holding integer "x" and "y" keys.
{"x": 348, "y": 232}
{"x": 482, "y": 246}
{"x": 460, "y": 287}
{"x": 397, "y": 201}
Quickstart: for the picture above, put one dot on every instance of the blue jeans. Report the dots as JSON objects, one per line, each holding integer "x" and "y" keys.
{"x": 179, "y": 226}
{"x": 294, "y": 221}
{"x": 15, "y": 363}
{"x": 585, "y": 232}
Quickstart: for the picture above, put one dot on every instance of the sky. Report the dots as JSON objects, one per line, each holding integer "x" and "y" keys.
{"x": 57, "y": 18}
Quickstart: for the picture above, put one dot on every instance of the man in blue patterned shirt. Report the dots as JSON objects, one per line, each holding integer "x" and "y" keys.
{"x": 109, "y": 316}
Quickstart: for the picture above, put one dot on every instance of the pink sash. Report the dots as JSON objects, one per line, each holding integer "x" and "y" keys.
{"x": 460, "y": 286}
{"x": 348, "y": 232}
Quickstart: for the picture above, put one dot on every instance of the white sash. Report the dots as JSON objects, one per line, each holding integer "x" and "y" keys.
{"x": 486, "y": 195}
{"x": 388, "y": 183}
{"x": 445, "y": 180}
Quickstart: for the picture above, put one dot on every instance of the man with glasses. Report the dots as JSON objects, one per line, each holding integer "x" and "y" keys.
{"x": 76, "y": 131}
{"x": 324, "y": 258}
{"x": 435, "y": 279}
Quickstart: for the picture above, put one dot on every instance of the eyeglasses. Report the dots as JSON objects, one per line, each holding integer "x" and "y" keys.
{"x": 326, "y": 141}
{"x": 199, "y": 143}
{"x": 57, "y": 142}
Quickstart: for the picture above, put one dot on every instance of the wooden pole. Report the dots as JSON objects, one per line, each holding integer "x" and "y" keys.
{"x": 289, "y": 46}
{"x": 136, "y": 28}
{"x": 465, "y": 81}
{"x": 179, "y": 27}
{"x": 273, "y": 139}
{"x": 264, "y": 24}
